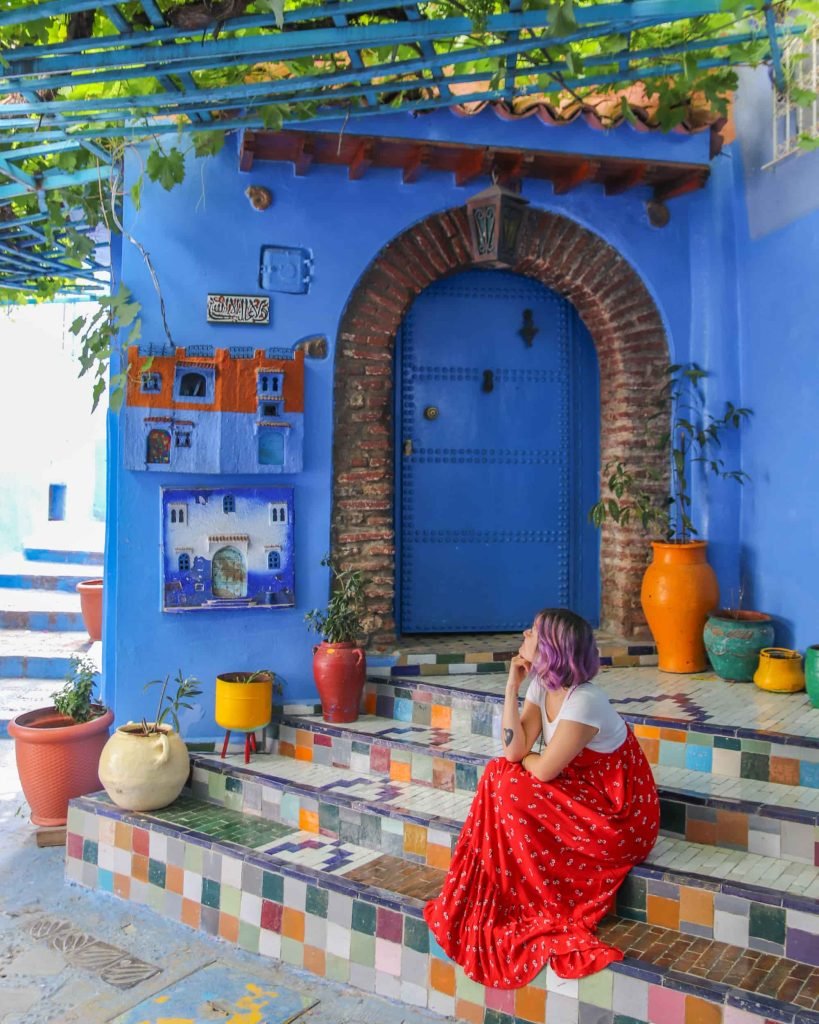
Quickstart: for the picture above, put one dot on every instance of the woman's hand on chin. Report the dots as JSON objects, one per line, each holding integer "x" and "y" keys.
{"x": 519, "y": 669}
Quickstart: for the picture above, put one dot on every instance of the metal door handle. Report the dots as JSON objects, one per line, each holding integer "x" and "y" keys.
{"x": 488, "y": 381}
{"x": 408, "y": 446}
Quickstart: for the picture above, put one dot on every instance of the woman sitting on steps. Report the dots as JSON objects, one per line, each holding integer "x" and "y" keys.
{"x": 550, "y": 836}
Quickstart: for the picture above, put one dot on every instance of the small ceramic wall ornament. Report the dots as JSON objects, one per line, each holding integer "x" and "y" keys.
{"x": 261, "y": 198}
{"x": 227, "y": 548}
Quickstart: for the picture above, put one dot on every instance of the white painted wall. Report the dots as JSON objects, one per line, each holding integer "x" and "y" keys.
{"x": 47, "y": 432}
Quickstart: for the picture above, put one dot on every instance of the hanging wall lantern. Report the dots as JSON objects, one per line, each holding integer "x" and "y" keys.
{"x": 495, "y": 219}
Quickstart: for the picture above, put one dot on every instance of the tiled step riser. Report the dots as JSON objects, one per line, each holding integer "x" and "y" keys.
{"x": 14, "y": 667}
{"x": 343, "y": 934}
{"x": 618, "y": 654}
{"x": 694, "y": 748}
{"x": 31, "y": 581}
{"x": 740, "y": 830}
{"x": 692, "y": 906}
{"x": 709, "y": 824}
{"x": 66, "y": 557}
{"x": 42, "y": 621}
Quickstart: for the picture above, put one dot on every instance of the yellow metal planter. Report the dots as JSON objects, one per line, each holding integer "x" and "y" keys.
{"x": 780, "y": 670}
{"x": 242, "y": 706}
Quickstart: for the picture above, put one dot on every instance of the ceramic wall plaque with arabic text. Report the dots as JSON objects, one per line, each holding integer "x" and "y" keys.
{"x": 238, "y": 309}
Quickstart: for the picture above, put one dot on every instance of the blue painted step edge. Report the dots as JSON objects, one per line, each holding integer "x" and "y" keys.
{"x": 68, "y": 557}
{"x": 13, "y": 666}
{"x": 59, "y": 622}
{"x": 30, "y": 581}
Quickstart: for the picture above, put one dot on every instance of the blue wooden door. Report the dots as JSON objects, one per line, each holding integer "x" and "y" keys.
{"x": 498, "y": 456}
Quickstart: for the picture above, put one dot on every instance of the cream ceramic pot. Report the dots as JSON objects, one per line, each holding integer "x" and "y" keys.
{"x": 144, "y": 773}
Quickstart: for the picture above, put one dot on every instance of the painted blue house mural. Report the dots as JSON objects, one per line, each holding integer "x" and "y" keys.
{"x": 227, "y": 548}
{"x": 202, "y": 409}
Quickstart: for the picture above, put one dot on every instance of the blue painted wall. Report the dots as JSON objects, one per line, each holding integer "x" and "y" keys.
{"x": 204, "y": 236}
{"x": 778, "y": 247}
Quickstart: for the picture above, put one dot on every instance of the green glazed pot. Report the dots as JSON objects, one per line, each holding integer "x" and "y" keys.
{"x": 733, "y": 641}
{"x": 812, "y": 674}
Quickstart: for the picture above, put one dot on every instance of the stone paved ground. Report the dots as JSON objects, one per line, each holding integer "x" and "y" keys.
{"x": 41, "y": 985}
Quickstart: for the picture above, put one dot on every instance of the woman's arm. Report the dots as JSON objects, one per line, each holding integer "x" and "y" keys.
{"x": 569, "y": 739}
{"x": 518, "y": 732}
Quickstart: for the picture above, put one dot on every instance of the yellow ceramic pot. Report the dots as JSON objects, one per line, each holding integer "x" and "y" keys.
{"x": 144, "y": 773}
{"x": 780, "y": 670}
{"x": 243, "y": 706}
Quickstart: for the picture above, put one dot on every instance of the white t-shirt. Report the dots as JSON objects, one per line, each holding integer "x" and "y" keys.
{"x": 587, "y": 704}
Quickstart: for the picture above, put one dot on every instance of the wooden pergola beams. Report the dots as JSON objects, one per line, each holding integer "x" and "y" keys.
{"x": 508, "y": 167}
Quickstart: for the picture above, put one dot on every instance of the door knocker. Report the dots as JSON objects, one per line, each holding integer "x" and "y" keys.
{"x": 528, "y": 331}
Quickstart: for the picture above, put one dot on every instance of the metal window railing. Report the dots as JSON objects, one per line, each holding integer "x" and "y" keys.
{"x": 793, "y": 121}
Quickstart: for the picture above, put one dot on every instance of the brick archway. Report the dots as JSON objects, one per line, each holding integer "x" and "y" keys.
{"x": 632, "y": 351}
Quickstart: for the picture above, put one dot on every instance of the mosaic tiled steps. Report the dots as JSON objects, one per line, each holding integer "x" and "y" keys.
{"x": 760, "y": 817}
{"x": 764, "y": 903}
{"x": 697, "y": 722}
{"x": 354, "y": 915}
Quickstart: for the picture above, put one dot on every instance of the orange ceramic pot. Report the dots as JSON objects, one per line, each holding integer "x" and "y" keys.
{"x": 679, "y": 590}
{"x": 90, "y": 592}
{"x": 57, "y": 760}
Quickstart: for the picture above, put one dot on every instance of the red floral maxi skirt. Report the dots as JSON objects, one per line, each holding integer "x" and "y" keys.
{"x": 537, "y": 865}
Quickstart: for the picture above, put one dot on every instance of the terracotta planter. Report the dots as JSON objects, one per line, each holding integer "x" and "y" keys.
{"x": 679, "y": 590}
{"x": 733, "y": 641}
{"x": 812, "y": 674}
{"x": 144, "y": 773}
{"x": 90, "y": 592}
{"x": 339, "y": 671}
{"x": 57, "y": 760}
{"x": 780, "y": 670}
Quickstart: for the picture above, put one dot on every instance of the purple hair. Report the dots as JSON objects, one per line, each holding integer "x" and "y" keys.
{"x": 566, "y": 650}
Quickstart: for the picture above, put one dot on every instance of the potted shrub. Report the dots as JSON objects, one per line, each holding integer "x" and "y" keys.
{"x": 679, "y": 587}
{"x": 339, "y": 663}
{"x": 733, "y": 638}
{"x": 58, "y": 748}
{"x": 145, "y": 764}
{"x": 244, "y": 702}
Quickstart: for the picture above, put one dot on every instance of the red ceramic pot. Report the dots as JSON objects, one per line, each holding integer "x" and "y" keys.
{"x": 90, "y": 592}
{"x": 339, "y": 671}
{"x": 57, "y": 760}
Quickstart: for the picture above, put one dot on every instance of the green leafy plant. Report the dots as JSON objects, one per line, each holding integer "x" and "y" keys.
{"x": 187, "y": 687}
{"x": 691, "y": 437}
{"x": 341, "y": 622}
{"x": 77, "y": 699}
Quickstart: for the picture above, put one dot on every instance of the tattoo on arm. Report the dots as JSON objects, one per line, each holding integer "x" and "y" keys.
{"x": 508, "y": 736}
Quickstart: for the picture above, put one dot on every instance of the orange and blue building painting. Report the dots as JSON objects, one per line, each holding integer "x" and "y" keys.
{"x": 227, "y": 547}
{"x": 206, "y": 410}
